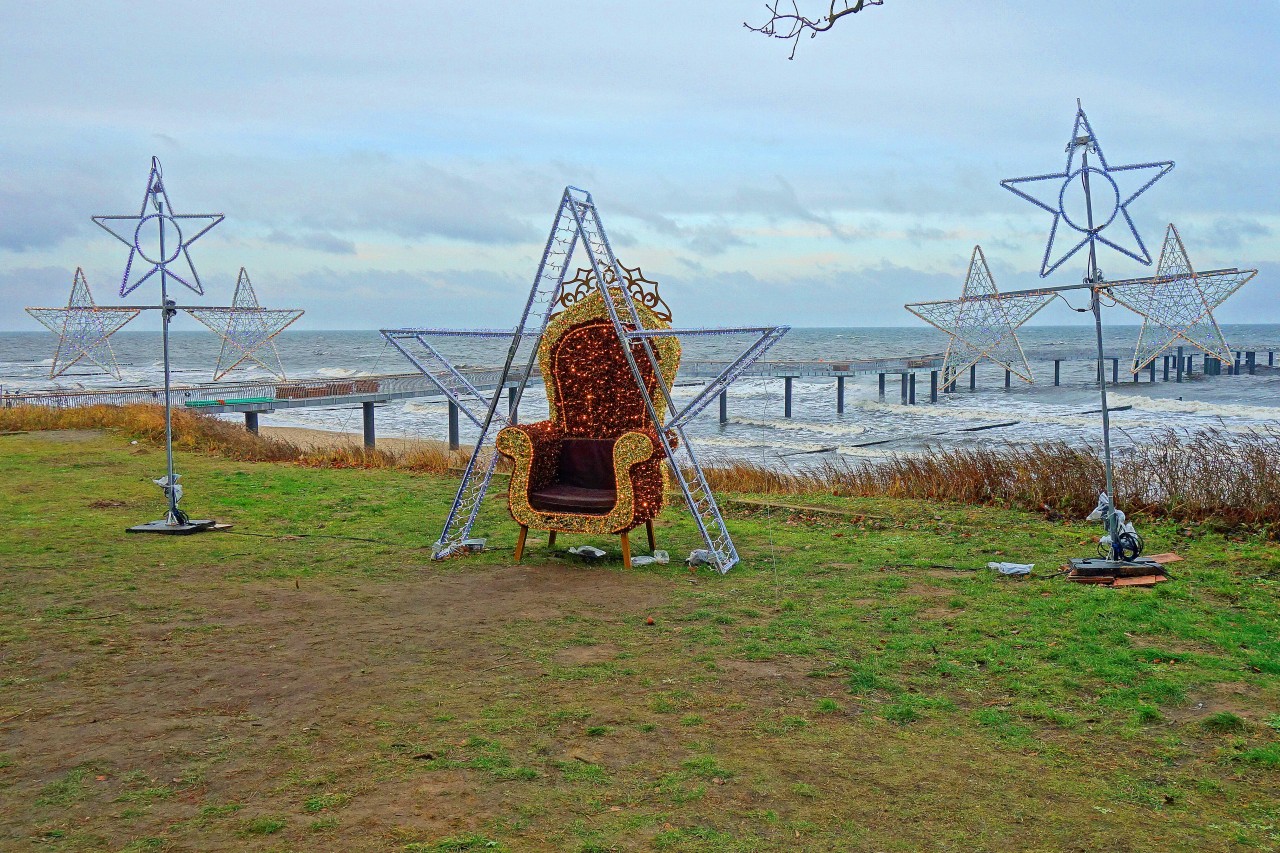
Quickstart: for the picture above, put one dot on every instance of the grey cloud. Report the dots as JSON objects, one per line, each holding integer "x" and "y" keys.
{"x": 1229, "y": 232}
{"x": 782, "y": 202}
{"x": 320, "y": 241}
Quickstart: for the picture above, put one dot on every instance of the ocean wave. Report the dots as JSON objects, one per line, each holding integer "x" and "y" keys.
{"x": 1197, "y": 407}
{"x": 808, "y": 426}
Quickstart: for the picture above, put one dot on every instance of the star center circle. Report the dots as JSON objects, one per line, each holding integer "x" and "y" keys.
{"x": 158, "y": 239}
{"x": 1104, "y": 194}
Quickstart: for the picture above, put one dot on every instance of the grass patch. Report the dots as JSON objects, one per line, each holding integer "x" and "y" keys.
{"x": 318, "y": 655}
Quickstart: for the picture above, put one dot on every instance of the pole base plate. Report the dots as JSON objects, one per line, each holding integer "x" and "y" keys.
{"x": 1097, "y": 567}
{"x": 196, "y": 525}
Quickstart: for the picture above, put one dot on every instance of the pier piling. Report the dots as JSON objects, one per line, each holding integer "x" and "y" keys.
{"x": 839, "y": 395}
{"x": 454, "y": 439}
{"x": 251, "y": 422}
{"x": 724, "y": 406}
{"x": 973, "y": 377}
{"x": 786, "y": 394}
{"x": 366, "y": 411}
{"x": 912, "y": 386}
{"x": 1057, "y": 371}
{"x": 933, "y": 386}
{"x": 1008, "y": 375}
{"x": 904, "y": 388}
{"x": 513, "y": 415}
{"x": 1178, "y": 360}
{"x": 881, "y": 386}
{"x": 1251, "y": 362}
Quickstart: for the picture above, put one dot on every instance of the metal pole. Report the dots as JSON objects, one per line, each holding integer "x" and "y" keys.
{"x": 724, "y": 406}
{"x": 165, "y": 315}
{"x": 786, "y": 404}
{"x": 933, "y": 386}
{"x": 912, "y": 386}
{"x": 973, "y": 377}
{"x": 1096, "y": 303}
{"x": 839, "y": 395}
{"x": 1008, "y": 375}
{"x": 1115, "y": 371}
{"x": 881, "y": 386}
{"x": 1180, "y": 362}
{"x": 904, "y": 389}
{"x": 513, "y": 405}
{"x": 1057, "y": 371}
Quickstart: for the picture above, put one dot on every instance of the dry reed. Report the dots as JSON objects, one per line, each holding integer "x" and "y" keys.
{"x": 1230, "y": 480}
{"x": 194, "y": 431}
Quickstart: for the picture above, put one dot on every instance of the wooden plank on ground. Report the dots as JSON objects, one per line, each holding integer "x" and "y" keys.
{"x": 1140, "y": 580}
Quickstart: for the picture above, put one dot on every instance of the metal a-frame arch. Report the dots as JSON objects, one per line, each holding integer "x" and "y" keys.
{"x": 577, "y": 220}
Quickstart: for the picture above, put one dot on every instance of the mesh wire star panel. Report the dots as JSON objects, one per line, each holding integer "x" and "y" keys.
{"x": 83, "y": 330}
{"x": 982, "y": 323}
{"x": 247, "y": 330}
{"x": 1177, "y": 304}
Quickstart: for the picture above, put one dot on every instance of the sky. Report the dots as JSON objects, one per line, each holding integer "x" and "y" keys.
{"x": 400, "y": 163}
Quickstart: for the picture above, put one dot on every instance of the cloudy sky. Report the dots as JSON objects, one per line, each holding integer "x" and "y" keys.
{"x": 393, "y": 163}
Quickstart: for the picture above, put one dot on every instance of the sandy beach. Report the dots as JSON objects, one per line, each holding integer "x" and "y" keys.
{"x": 312, "y": 439}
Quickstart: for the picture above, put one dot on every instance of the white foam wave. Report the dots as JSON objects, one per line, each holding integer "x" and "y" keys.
{"x": 1197, "y": 407}
{"x": 808, "y": 426}
{"x": 426, "y": 408}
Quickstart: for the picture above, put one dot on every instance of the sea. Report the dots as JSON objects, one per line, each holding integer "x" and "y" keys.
{"x": 870, "y": 428}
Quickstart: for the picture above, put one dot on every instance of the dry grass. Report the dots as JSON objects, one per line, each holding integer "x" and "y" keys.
{"x": 195, "y": 431}
{"x": 1232, "y": 481}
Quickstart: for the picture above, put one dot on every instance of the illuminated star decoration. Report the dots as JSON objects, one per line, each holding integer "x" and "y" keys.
{"x": 1108, "y": 206}
{"x": 247, "y": 330}
{"x": 83, "y": 329}
{"x": 157, "y": 237}
{"x": 981, "y": 322}
{"x": 1177, "y": 303}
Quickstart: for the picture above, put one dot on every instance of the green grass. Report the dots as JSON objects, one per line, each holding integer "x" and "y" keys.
{"x": 861, "y": 684}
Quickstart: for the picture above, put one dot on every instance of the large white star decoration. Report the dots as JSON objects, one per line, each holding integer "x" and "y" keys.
{"x": 247, "y": 329}
{"x": 158, "y": 237}
{"x": 1062, "y": 195}
{"x": 1177, "y": 303}
{"x": 981, "y": 322}
{"x": 83, "y": 329}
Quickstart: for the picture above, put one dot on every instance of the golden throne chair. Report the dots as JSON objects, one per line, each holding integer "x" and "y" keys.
{"x": 595, "y": 466}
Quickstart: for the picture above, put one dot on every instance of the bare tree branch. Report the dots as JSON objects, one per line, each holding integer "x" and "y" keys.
{"x": 791, "y": 25}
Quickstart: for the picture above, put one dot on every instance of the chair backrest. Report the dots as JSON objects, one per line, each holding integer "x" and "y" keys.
{"x": 591, "y": 391}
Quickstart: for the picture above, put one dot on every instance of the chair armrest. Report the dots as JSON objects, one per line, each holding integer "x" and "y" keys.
{"x": 634, "y": 447}
{"x": 534, "y": 447}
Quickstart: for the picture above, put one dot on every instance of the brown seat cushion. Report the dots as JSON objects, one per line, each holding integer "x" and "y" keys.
{"x": 587, "y": 462}
{"x": 565, "y": 498}
{"x": 584, "y": 481}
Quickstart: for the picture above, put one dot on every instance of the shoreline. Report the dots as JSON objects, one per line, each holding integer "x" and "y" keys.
{"x": 309, "y": 438}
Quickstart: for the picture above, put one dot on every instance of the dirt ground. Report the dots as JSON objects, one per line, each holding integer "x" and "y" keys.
{"x": 261, "y": 668}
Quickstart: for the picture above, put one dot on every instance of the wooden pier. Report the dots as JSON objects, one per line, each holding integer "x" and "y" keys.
{"x": 253, "y": 399}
